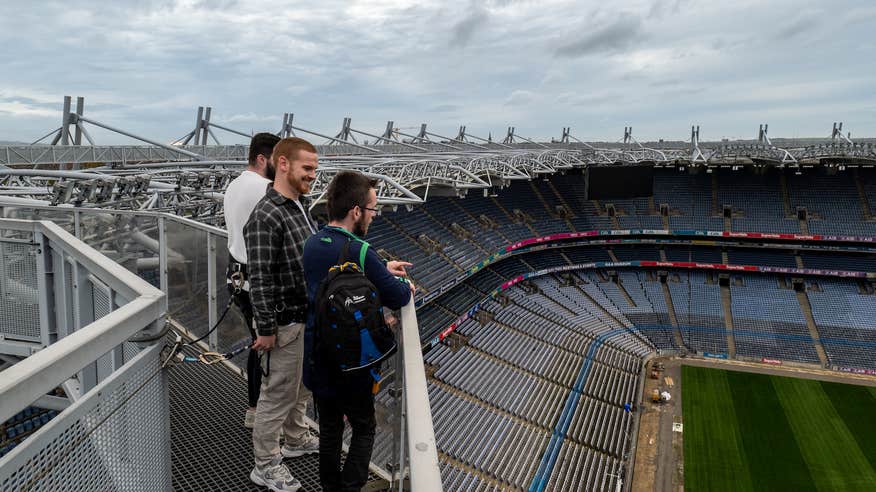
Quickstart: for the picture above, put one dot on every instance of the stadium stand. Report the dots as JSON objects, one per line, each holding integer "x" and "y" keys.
{"x": 768, "y": 321}
{"x": 527, "y": 358}
{"x": 831, "y": 203}
{"x": 479, "y": 226}
{"x": 763, "y": 257}
{"x": 23, "y": 424}
{"x": 701, "y": 255}
{"x": 503, "y": 380}
{"x": 766, "y": 213}
{"x": 839, "y": 261}
{"x": 846, "y": 320}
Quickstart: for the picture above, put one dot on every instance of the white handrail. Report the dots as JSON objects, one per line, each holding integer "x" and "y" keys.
{"x": 425, "y": 474}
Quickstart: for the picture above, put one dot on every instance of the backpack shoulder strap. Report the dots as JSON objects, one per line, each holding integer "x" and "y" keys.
{"x": 345, "y": 253}
{"x": 363, "y": 249}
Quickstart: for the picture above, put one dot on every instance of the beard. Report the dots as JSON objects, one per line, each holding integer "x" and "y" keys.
{"x": 303, "y": 187}
{"x": 360, "y": 228}
{"x": 298, "y": 184}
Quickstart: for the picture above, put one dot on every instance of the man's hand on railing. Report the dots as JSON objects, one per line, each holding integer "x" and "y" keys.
{"x": 390, "y": 319}
{"x": 397, "y": 268}
{"x": 264, "y": 342}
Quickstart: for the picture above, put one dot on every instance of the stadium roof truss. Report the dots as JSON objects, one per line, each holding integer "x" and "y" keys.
{"x": 189, "y": 179}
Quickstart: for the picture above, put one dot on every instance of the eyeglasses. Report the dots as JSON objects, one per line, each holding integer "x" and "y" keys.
{"x": 375, "y": 210}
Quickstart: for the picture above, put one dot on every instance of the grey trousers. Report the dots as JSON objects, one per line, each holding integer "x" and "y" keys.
{"x": 283, "y": 398}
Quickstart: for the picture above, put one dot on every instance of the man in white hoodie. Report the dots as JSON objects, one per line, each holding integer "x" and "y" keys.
{"x": 241, "y": 197}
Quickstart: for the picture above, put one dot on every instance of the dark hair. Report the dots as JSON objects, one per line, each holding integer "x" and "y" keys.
{"x": 261, "y": 143}
{"x": 347, "y": 189}
{"x": 289, "y": 148}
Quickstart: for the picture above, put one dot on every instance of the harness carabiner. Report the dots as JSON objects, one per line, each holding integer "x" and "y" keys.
{"x": 210, "y": 358}
{"x": 237, "y": 282}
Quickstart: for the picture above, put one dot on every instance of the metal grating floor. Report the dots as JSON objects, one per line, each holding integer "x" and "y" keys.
{"x": 211, "y": 450}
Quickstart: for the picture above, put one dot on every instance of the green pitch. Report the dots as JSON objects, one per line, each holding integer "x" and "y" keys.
{"x": 746, "y": 431}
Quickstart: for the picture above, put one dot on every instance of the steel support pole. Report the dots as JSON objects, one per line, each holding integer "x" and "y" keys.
{"x": 206, "y": 124}
{"x": 230, "y": 130}
{"x": 65, "y": 121}
{"x": 198, "y": 125}
{"x": 77, "y": 224}
{"x": 77, "y": 139}
{"x": 44, "y": 281}
{"x": 53, "y": 132}
{"x": 83, "y": 303}
{"x": 212, "y": 315}
{"x": 4, "y": 279}
{"x": 162, "y": 254}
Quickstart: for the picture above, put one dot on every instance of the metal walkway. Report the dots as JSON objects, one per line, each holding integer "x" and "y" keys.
{"x": 210, "y": 447}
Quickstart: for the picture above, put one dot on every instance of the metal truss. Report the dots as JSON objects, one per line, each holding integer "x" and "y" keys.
{"x": 189, "y": 179}
{"x": 53, "y": 155}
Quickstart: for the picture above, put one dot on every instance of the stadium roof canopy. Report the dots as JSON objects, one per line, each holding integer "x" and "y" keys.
{"x": 187, "y": 176}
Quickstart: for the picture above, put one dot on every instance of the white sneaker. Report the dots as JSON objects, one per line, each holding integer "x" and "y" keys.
{"x": 275, "y": 477}
{"x": 309, "y": 444}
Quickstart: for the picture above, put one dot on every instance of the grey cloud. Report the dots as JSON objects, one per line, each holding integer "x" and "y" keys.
{"x": 146, "y": 65}
{"x": 519, "y": 98}
{"x": 463, "y": 31}
{"x": 621, "y": 34}
{"x": 444, "y": 108}
{"x": 216, "y": 4}
{"x": 32, "y": 102}
{"x": 661, "y": 8}
{"x": 800, "y": 25}
{"x": 665, "y": 82}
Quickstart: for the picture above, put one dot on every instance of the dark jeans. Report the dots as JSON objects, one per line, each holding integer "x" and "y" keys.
{"x": 253, "y": 366}
{"x": 359, "y": 411}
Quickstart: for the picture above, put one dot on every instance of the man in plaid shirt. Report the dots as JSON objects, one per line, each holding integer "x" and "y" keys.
{"x": 274, "y": 237}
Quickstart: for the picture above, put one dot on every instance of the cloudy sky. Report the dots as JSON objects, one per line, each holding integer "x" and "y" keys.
{"x": 597, "y": 66}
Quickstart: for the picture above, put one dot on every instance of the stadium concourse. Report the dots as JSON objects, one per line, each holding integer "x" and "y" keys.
{"x": 544, "y": 291}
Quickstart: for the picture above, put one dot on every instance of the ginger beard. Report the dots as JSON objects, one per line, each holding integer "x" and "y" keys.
{"x": 302, "y": 171}
{"x": 298, "y": 182}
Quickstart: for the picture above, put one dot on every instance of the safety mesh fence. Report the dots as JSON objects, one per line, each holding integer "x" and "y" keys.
{"x": 116, "y": 437}
{"x": 19, "y": 299}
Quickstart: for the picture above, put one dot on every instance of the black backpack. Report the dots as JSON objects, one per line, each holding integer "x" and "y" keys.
{"x": 349, "y": 330}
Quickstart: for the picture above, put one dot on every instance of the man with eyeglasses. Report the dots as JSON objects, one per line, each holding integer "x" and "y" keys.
{"x": 351, "y": 206}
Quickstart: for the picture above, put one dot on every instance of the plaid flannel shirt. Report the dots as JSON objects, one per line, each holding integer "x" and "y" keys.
{"x": 274, "y": 236}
